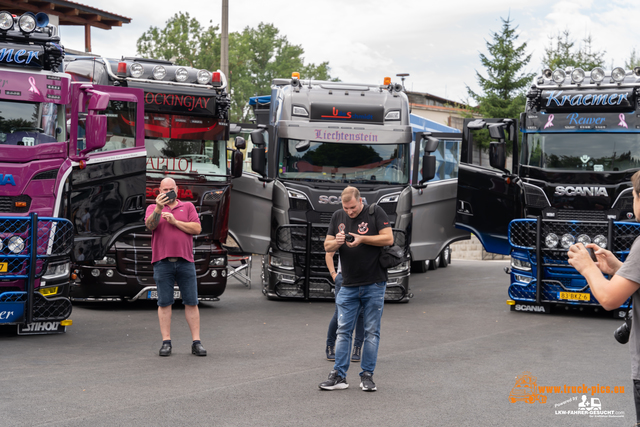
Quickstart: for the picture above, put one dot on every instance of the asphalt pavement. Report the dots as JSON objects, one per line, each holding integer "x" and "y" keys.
{"x": 449, "y": 357}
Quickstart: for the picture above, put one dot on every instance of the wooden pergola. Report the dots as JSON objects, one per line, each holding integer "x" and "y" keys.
{"x": 68, "y": 13}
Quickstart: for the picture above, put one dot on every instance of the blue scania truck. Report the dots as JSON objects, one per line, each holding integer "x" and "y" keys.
{"x": 568, "y": 182}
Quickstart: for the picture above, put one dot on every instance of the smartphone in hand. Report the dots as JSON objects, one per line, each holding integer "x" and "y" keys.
{"x": 171, "y": 195}
{"x": 592, "y": 254}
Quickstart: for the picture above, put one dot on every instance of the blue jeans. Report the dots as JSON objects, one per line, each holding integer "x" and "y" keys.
{"x": 333, "y": 324}
{"x": 349, "y": 301}
{"x": 182, "y": 272}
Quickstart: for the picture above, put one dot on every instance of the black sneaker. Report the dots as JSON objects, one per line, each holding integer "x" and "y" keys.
{"x": 198, "y": 349}
{"x": 165, "y": 350}
{"x": 330, "y": 352}
{"x": 366, "y": 382}
{"x": 335, "y": 382}
{"x": 357, "y": 351}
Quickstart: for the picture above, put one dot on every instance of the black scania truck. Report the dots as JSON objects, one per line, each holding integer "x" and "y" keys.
{"x": 320, "y": 137}
{"x": 569, "y": 182}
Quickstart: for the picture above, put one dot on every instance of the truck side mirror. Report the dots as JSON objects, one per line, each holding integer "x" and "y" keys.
{"x": 259, "y": 161}
{"x": 237, "y": 160}
{"x": 498, "y": 155}
{"x": 428, "y": 168}
{"x": 95, "y": 132}
{"x": 431, "y": 145}
{"x": 241, "y": 144}
{"x": 496, "y": 131}
{"x": 257, "y": 138}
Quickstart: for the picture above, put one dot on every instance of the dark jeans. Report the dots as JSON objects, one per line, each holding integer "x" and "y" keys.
{"x": 332, "y": 333}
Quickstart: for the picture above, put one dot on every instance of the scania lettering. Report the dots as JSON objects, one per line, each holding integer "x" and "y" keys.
{"x": 568, "y": 182}
{"x": 186, "y": 128}
{"x": 318, "y": 138}
{"x": 54, "y": 175}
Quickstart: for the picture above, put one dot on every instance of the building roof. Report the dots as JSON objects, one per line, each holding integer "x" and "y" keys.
{"x": 68, "y": 12}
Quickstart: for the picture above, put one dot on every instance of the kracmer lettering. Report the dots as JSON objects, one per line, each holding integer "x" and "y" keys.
{"x": 556, "y": 97}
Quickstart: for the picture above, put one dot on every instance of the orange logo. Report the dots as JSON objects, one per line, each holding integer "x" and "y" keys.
{"x": 526, "y": 389}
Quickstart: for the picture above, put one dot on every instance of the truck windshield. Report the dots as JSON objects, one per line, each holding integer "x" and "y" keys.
{"x": 185, "y": 146}
{"x": 30, "y": 123}
{"x": 582, "y": 151}
{"x": 352, "y": 163}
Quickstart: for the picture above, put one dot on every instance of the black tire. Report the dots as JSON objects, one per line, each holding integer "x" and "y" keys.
{"x": 419, "y": 266}
{"x": 445, "y": 257}
{"x": 435, "y": 263}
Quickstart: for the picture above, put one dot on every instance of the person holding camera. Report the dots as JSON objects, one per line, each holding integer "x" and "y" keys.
{"x": 172, "y": 224}
{"x": 359, "y": 235}
{"x": 624, "y": 283}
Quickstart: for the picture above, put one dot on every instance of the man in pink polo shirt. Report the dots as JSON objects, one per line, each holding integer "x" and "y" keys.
{"x": 173, "y": 224}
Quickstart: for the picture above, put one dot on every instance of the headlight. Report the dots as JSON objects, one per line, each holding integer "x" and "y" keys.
{"x": 567, "y": 241}
{"x": 551, "y": 240}
{"x": 218, "y": 261}
{"x": 15, "y": 244}
{"x": 136, "y": 69}
{"x": 392, "y": 115}
{"x": 584, "y": 239}
{"x": 617, "y": 74}
{"x": 558, "y": 76}
{"x": 182, "y": 74}
{"x": 597, "y": 74}
{"x": 204, "y": 77}
{"x": 106, "y": 261}
{"x": 56, "y": 271}
{"x": 403, "y": 266}
{"x": 278, "y": 262}
{"x": 6, "y": 21}
{"x": 525, "y": 279}
{"x": 159, "y": 72}
{"x": 520, "y": 264}
{"x": 601, "y": 241}
{"x": 577, "y": 75}
{"x": 27, "y": 22}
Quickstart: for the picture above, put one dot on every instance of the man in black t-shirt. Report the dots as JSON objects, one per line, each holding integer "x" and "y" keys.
{"x": 364, "y": 283}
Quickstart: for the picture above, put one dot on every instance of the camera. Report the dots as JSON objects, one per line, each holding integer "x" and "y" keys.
{"x": 622, "y": 333}
{"x": 171, "y": 195}
{"x": 349, "y": 238}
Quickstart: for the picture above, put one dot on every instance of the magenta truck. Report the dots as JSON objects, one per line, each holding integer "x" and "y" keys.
{"x": 64, "y": 196}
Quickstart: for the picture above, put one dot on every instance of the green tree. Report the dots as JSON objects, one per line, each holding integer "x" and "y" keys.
{"x": 562, "y": 53}
{"x": 256, "y": 56}
{"x": 183, "y": 41}
{"x": 633, "y": 61}
{"x": 503, "y": 88}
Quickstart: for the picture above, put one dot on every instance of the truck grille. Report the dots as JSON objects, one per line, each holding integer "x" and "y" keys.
{"x": 8, "y": 204}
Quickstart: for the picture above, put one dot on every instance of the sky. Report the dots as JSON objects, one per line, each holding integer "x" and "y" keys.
{"x": 437, "y": 42}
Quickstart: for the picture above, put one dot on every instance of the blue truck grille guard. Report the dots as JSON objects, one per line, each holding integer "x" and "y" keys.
{"x": 27, "y": 244}
{"x": 306, "y": 243}
{"x": 529, "y": 235}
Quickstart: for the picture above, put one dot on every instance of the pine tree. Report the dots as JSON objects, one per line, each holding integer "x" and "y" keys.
{"x": 561, "y": 53}
{"x": 503, "y": 88}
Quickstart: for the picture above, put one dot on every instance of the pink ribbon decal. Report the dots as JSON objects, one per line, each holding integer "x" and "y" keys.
{"x": 622, "y": 122}
{"x": 33, "y": 87}
{"x": 549, "y": 122}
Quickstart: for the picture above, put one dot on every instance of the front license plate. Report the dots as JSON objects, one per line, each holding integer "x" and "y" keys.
{"x": 154, "y": 295}
{"x": 575, "y": 296}
{"x": 4, "y": 267}
{"x": 41, "y": 328}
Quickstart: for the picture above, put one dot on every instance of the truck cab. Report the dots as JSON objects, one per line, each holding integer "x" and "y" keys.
{"x": 62, "y": 198}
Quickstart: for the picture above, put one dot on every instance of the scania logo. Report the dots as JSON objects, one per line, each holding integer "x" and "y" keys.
{"x": 334, "y": 200}
{"x": 329, "y": 200}
{"x": 7, "y": 179}
{"x": 527, "y": 307}
{"x": 581, "y": 191}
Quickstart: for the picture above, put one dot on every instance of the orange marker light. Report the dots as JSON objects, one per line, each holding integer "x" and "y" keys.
{"x": 82, "y": 164}
{"x": 21, "y": 204}
{"x": 387, "y": 81}
{"x": 295, "y": 75}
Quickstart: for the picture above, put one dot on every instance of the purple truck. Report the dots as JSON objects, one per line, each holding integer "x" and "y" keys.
{"x": 72, "y": 173}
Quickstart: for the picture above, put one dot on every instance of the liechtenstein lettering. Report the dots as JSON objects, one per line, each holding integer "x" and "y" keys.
{"x": 7, "y": 179}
